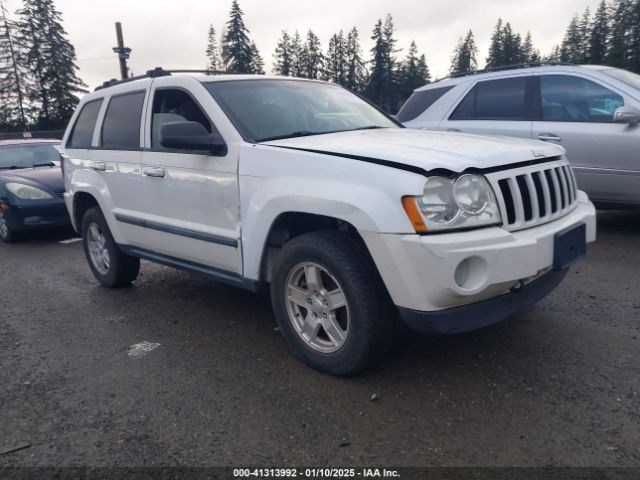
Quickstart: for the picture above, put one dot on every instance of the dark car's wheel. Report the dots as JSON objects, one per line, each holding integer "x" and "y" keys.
{"x": 109, "y": 265}
{"x": 330, "y": 302}
{"x": 6, "y": 234}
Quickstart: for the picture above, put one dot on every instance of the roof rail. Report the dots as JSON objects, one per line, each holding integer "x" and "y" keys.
{"x": 511, "y": 67}
{"x": 154, "y": 73}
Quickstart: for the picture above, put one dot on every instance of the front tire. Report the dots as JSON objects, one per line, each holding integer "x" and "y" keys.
{"x": 6, "y": 234}
{"x": 109, "y": 265}
{"x": 330, "y": 302}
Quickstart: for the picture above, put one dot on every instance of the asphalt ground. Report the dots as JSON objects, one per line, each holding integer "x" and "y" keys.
{"x": 216, "y": 386}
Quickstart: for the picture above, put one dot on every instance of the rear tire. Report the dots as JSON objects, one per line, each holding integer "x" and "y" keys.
{"x": 330, "y": 302}
{"x": 109, "y": 265}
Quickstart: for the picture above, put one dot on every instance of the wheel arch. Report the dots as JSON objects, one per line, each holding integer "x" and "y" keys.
{"x": 291, "y": 224}
{"x": 82, "y": 201}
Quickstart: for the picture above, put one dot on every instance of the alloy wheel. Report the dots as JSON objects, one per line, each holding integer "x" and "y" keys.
{"x": 97, "y": 246}
{"x": 317, "y": 307}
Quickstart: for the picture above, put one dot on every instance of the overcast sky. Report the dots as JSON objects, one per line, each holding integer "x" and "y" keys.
{"x": 173, "y": 33}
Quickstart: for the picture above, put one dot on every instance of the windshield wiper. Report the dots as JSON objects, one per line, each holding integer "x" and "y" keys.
{"x": 368, "y": 127}
{"x": 301, "y": 133}
{"x": 305, "y": 133}
{"x": 12, "y": 167}
{"x": 48, "y": 164}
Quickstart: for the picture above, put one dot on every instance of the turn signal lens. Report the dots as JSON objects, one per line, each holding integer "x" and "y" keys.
{"x": 410, "y": 206}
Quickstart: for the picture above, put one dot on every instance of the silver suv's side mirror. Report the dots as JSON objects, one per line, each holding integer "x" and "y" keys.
{"x": 627, "y": 115}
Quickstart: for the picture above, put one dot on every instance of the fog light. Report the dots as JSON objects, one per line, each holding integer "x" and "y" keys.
{"x": 471, "y": 273}
{"x": 462, "y": 273}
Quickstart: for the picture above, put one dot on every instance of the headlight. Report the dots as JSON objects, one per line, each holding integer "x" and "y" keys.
{"x": 464, "y": 202}
{"x": 27, "y": 192}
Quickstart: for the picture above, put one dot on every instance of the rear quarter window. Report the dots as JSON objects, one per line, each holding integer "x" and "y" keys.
{"x": 121, "y": 126}
{"x": 419, "y": 102}
{"x": 82, "y": 133}
{"x": 502, "y": 99}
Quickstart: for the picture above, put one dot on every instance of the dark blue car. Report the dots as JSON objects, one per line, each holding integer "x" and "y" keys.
{"x": 31, "y": 187}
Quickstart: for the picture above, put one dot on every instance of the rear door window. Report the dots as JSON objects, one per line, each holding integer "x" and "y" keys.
{"x": 82, "y": 134}
{"x": 502, "y": 99}
{"x": 121, "y": 126}
{"x": 419, "y": 102}
{"x": 566, "y": 98}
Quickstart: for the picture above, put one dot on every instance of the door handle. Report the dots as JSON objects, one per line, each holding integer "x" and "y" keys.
{"x": 98, "y": 166}
{"x": 453, "y": 130}
{"x": 549, "y": 137}
{"x": 157, "y": 172}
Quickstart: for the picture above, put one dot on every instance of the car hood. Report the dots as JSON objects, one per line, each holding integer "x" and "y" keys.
{"x": 423, "y": 149}
{"x": 49, "y": 178}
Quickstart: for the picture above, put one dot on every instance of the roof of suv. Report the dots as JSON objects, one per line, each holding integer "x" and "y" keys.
{"x": 199, "y": 75}
{"x": 29, "y": 141}
{"x": 508, "y": 71}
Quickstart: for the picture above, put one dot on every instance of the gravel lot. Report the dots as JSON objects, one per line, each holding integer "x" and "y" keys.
{"x": 558, "y": 385}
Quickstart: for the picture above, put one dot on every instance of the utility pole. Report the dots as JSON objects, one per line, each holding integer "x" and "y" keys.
{"x": 23, "y": 118}
{"x": 122, "y": 51}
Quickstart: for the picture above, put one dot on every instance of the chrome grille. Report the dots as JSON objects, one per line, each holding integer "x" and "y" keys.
{"x": 533, "y": 195}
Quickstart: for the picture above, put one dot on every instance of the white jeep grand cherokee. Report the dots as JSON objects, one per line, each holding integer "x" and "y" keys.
{"x": 351, "y": 219}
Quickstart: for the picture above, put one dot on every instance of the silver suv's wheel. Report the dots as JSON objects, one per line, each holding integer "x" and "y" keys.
{"x": 330, "y": 302}
{"x": 109, "y": 265}
{"x": 317, "y": 307}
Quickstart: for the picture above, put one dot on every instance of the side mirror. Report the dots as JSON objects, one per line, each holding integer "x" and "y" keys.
{"x": 627, "y": 115}
{"x": 190, "y": 136}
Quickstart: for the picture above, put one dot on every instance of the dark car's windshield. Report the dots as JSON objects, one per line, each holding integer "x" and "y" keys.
{"x": 271, "y": 109}
{"x": 27, "y": 156}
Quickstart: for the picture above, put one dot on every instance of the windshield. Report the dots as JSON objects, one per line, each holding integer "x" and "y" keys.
{"x": 631, "y": 79}
{"x": 27, "y": 156}
{"x": 272, "y": 109}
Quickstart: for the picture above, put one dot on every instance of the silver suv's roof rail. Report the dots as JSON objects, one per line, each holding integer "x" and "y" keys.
{"x": 154, "y": 73}
{"x": 512, "y": 67}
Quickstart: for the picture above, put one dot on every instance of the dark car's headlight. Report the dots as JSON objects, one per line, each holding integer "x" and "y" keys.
{"x": 27, "y": 192}
{"x": 463, "y": 202}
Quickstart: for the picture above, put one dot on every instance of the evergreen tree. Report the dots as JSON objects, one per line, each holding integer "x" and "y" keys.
{"x": 464, "y": 58}
{"x": 13, "y": 108}
{"x": 554, "y": 56}
{"x": 571, "y": 49}
{"x": 381, "y": 83}
{"x": 257, "y": 64}
{"x": 618, "y": 50}
{"x": 356, "y": 70}
{"x": 511, "y": 46}
{"x": 236, "y": 46}
{"x": 599, "y": 35}
{"x": 633, "y": 59}
{"x": 390, "y": 43}
{"x": 529, "y": 53}
{"x": 311, "y": 57}
{"x": 296, "y": 55}
{"x": 50, "y": 60}
{"x": 412, "y": 73}
{"x": 283, "y": 56}
{"x": 423, "y": 69}
{"x": 585, "y": 34}
{"x": 214, "y": 62}
{"x": 336, "y": 62}
{"x": 496, "y": 57}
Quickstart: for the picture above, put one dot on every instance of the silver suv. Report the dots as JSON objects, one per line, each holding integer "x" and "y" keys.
{"x": 592, "y": 111}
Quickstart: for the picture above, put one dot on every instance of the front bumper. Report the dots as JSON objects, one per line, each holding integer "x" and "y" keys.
{"x": 420, "y": 271}
{"x": 41, "y": 214}
{"x": 487, "y": 312}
